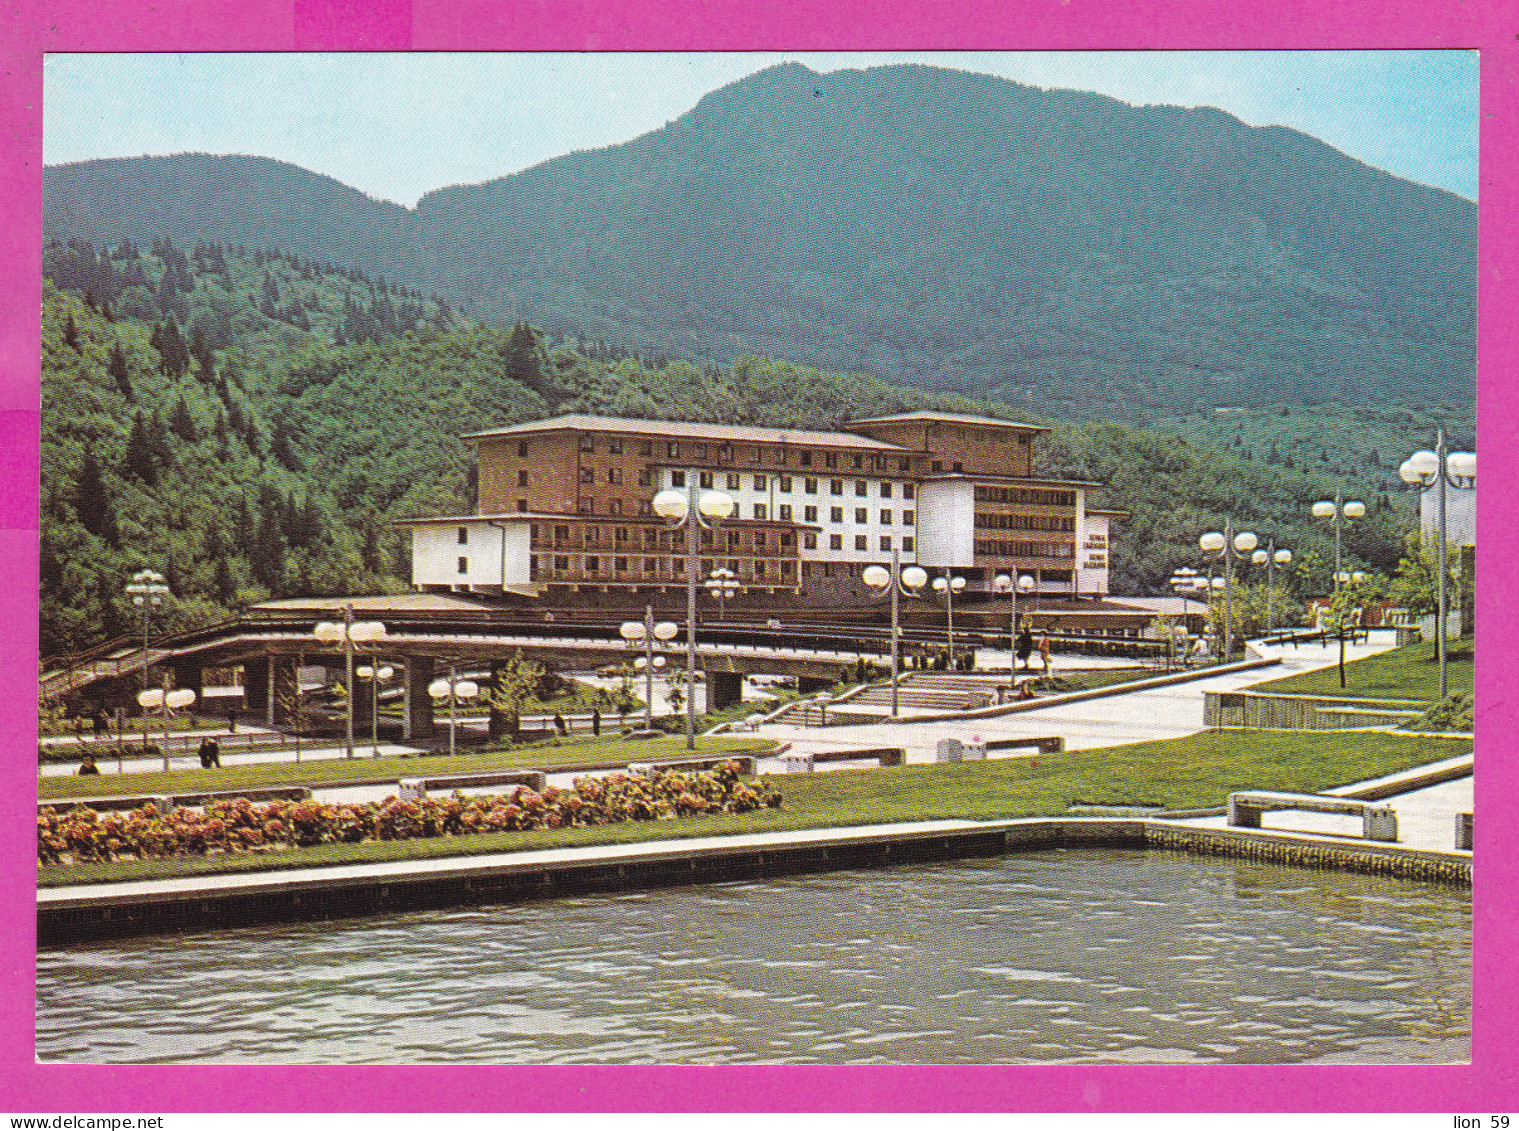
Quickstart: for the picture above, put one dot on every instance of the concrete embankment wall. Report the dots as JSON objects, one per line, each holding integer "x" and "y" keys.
{"x": 68, "y": 916}
{"x": 1303, "y": 712}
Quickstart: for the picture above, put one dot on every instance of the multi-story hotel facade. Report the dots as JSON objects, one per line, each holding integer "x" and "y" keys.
{"x": 565, "y": 508}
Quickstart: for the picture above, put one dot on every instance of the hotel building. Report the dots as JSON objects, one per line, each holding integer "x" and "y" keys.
{"x": 565, "y": 508}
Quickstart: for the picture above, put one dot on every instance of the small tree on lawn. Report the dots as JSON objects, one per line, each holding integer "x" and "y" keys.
{"x": 514, "y": 684}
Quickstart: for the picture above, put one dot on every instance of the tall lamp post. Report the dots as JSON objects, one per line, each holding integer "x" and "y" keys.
{"x": 348, "y": 632}
{"x": 1227, "y": 547}
{"x": 375, "y": 676}
{"x": 1424, "y": 471}
{"x": 1183, "y": 581}
{"x": 164, "y": 700}
{"x": 148, "y": 590}
{"x": 454, "y": 689}
{"x": 902, "y": 581}
{"x": 696, "y": 512}
{"x": 1337, "y": 511}
{"x": 722, "y": 584}
{"x": 1344, "y": 577}
{"x": 1271, "y": 557}
{"x": 648, "y": 632}
{"x": 1004, "y": 583}
{"x": 948, "y": 586}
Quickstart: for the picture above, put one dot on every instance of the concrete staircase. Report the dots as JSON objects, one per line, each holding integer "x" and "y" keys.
{"x": 918, "y": 693}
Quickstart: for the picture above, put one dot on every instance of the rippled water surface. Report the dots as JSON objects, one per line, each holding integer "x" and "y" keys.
{"x": 1064, "y": 956}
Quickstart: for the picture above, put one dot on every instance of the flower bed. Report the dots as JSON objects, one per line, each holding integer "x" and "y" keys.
{"x": 80, "y": 835}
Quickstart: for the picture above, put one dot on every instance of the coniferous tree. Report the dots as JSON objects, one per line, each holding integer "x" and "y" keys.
{"x": 117, "y": 368}
{"x": 141, "y": 462}
{"x": 281, "y": 449}
{"x": 173, "y": 354}
{"x": 181, "y": 423}
{"x": 200, "y": 353}
{"x": 71, "y": 333}
{"x": 158, "y": 437}
{"x": 225, "y": 583}
{"x": 91, "y": 502}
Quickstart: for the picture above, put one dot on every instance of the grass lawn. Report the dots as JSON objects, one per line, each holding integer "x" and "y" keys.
{"x": 1193, "y": 772}
{"x": 1412, "y": 672}
{"x": 565, "y": 753}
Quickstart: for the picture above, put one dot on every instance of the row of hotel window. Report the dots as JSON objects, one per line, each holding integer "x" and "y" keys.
{"x": 1063, "y": 522}
{"x": 783, "y": 483}
{"x": 654, "y": 567}
{"x": 836, "y": 542}
{"x": 757, "y": 541}
{"x": 1035, "y": 496}
{"x": 1025, "y": 550}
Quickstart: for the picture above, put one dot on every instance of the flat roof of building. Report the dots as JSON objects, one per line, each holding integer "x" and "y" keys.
{"x": 686, "y": 430}
{"x": 948, "y": 418}
{"x": 458, "y": 518}
{"x": 1009, "y": 480}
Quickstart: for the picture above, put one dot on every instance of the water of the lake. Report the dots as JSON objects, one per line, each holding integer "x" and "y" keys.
{"x": 1059, "y": 956}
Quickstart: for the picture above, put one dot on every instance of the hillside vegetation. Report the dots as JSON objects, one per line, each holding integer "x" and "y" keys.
{"x": 1059, "y": 251}
{"x": 252, "y": 423}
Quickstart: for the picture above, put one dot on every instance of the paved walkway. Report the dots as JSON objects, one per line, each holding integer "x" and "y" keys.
{"x": 1426, "y": 817}
{"x": 1138, "y": 716}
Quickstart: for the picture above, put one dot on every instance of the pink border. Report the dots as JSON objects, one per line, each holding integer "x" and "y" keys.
{"x": 32, "y": 27}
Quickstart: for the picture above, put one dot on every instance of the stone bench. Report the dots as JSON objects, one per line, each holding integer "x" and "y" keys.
{"x": 806, "y": 763}
{"x": 885, "y": 755}
{"x": 414, "y": 789}
{"x": 1378, "y": 822}
{"x": 1046, "y": 744}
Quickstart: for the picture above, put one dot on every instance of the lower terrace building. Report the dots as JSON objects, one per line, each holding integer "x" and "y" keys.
{"x": 565, "y": 509}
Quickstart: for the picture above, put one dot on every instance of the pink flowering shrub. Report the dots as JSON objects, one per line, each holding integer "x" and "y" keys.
{"x": 81, "y": 835}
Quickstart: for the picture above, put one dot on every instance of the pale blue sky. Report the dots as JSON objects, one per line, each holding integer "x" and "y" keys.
{"x": 399, "y": 125}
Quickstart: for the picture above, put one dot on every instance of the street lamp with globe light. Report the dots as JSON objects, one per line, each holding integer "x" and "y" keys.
{"x": 1271, "y": 557}
{"x": 901, "y": 581}
{"x": 947, "y": 586}
{"x": 348, "y": 632}
{"x": 648, "y": 632}
{"x": 165, "y": 700}
{"x": 375, "y": 676}
{"x": 1183, "y": 581}
{"x": 148, "y": 590}
{"x": 695, "y": 511}
{"x": 454, "y": 689}
{"x": 1228, "y": 546}
{"x": 1004, "y": 583}
{"x": 722, "y": 584}
{"x": 1437, "y": 470}
{"x": 1337, "y": 511}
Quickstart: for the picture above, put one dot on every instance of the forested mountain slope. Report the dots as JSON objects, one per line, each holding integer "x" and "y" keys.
{"x": 253, "y": 424}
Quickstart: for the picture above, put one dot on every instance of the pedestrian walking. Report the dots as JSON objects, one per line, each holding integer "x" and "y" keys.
{"x": 1025, "y": 646}
{"x": 232, "y": 721}
{"x": 596, "y": 720}
{"x": 1044, "y": 652}
{"x": 102, "y": 724}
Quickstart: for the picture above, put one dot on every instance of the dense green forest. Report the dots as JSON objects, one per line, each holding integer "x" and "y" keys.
{"x": 1057, "y": 250}
{"x": 251, "y": 423}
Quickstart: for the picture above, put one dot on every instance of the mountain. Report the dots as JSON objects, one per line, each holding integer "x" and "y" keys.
{"x": 1058, "y": 250}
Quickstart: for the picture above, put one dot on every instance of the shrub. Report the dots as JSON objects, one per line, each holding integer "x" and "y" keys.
{"x": 81, "y": 835}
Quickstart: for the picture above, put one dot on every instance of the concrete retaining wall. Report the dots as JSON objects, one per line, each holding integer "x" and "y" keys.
{"x": 68, "y": 916}
{"x": 1290, "y": 712}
